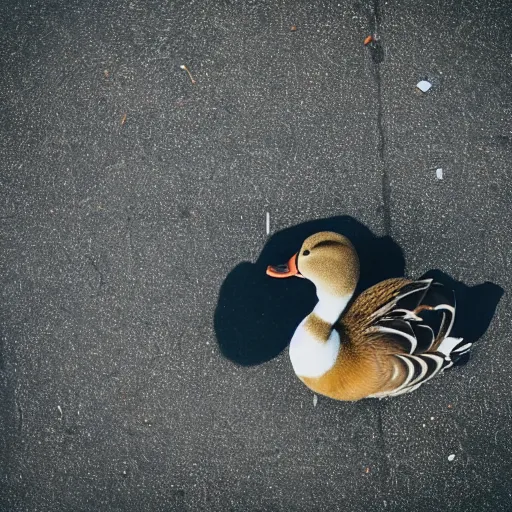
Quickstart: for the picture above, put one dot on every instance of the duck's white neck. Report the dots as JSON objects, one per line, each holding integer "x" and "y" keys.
{"x": 329, "y": 307}
{"x": 314, "y": 348}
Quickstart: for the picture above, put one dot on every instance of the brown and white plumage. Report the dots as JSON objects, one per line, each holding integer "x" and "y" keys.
{"x": 392, "y": 339}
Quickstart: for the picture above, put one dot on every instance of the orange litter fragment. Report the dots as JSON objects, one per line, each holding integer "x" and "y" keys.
{"x": 368, "y": 40}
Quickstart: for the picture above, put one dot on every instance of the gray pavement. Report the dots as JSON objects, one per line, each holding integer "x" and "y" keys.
{"x": 131, "y": 198}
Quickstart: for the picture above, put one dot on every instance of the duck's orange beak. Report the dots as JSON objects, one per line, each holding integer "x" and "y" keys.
{"x": 288, "y": 269}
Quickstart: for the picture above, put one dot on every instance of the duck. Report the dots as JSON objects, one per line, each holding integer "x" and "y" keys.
{"x": 389, "y": 340}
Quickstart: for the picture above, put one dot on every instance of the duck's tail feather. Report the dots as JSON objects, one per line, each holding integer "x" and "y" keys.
{"x": 453, "y": 349}
{"x": 420, "y": 368}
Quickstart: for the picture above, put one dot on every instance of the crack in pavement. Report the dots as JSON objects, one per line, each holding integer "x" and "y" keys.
{"x": 377, "y": 55}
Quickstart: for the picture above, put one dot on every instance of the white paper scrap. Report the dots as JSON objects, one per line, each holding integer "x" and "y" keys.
{"x": 423, "y": 86}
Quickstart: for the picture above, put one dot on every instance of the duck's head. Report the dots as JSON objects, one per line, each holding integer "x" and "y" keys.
{"x": 328, "y": 260}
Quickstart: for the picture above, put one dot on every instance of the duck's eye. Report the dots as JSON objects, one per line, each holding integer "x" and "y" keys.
{"x": 305, "y": 253}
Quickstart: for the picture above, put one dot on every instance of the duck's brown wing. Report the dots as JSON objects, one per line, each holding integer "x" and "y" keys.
{"x": 409, "y": 321}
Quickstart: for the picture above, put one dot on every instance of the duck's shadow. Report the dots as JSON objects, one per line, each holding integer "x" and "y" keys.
{"x": 256, "y": 315}
{"x": 475, "y": 305}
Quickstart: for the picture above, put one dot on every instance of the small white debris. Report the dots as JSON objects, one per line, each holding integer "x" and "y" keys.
{"x": 268, "y": 223}
{"x": 424, "y": 425}
{"x": 423, "y": 86}
{"x": 451, "y": 457}
{"x": 60, "y": 410}
{"x": 439, "y": 173}
{"x": 432, "y": 418}
{"x": 315, "y": 400}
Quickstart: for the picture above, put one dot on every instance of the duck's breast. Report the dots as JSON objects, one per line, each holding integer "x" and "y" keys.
{"x": 310, "y": 357}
